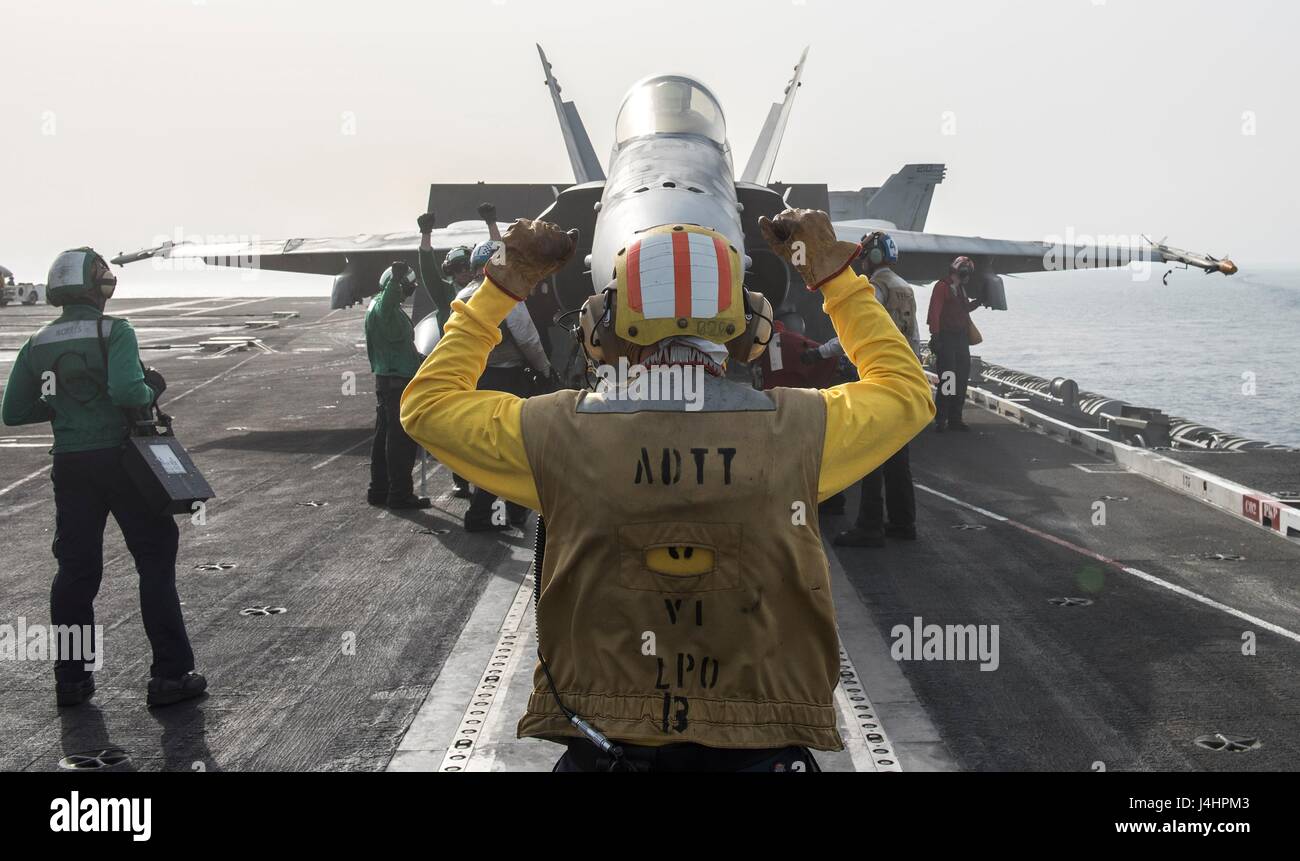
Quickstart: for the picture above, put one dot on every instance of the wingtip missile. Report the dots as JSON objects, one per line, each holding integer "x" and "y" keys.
{"x": 1208, "y": 263}
{"x": 162, "y": 250}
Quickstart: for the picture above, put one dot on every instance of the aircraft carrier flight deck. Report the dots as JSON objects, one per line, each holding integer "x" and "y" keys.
{"x": 340, "y": 636}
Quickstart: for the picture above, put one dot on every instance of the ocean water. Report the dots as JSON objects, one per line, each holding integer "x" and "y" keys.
{"x": 1221, "y": 351}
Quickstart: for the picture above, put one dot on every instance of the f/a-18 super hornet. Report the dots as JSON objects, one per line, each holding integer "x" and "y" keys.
{"x": 671, "y": 164}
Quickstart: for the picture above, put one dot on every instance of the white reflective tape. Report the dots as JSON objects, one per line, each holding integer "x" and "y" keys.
{"x": 658, "y": 277}
{"x": 704, "y": 276}
{"x": 70, "y": 331}
{"x": 658, "y": 273}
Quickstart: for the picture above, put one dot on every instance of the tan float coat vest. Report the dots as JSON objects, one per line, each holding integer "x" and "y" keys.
{"x": 743, "y": 656}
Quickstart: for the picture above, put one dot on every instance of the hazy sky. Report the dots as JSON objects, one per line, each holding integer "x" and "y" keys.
{"x": 123, "y": 121}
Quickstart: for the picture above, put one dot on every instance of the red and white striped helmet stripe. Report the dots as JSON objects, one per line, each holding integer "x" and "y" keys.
{"x": 679, "y": 274}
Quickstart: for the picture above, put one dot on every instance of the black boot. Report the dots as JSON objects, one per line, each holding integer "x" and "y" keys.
{"x": 164, "y": 692}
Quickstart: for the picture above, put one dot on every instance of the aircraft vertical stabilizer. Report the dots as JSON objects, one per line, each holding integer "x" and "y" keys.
{"x": 904, "y": 199}
{"x": 761, "y": 161}
{"x": 586, "y": 166}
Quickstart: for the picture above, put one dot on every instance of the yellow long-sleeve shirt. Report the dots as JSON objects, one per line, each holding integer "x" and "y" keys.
{"x": 479, "y": 434}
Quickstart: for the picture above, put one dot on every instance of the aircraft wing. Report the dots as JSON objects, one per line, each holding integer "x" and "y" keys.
{"x": 355, "y": 261}
{"x": 927, "y": 256}
{"x": 315, "y": 256}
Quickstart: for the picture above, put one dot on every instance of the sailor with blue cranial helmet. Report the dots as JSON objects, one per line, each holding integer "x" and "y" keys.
{"x": 483, "y": 252}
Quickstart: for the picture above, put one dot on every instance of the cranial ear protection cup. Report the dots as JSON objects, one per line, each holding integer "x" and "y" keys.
{"x": 105, "y": 280}
{"x": 879, "y": 248}
{"x": 595, "y": 329}
{"x": 751, "y": 343}
{"x": 875, "y": 256}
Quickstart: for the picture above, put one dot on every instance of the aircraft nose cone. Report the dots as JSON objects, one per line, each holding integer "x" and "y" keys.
{"x": 1227, "y": 267}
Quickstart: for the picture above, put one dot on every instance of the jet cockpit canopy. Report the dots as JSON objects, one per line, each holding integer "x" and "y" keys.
{"x": 670, "y": 104}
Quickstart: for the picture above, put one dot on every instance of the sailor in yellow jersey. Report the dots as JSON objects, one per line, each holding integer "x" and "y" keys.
{"x": 685, "y": 619}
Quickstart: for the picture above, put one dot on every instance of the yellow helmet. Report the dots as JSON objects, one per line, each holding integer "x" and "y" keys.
{"x": 677, "y": 280}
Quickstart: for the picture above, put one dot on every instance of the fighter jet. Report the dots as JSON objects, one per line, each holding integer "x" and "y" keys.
{"x": 1207, "y": 262}
{"x": 671, "y": 163}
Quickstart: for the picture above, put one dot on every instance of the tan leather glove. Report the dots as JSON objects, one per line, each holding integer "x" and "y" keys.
{"x": 805, "y": 239}
{"x": 533, "y": 251}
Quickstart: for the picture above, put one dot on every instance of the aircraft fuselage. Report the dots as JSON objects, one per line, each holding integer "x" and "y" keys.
{"x": 671, "y": 165}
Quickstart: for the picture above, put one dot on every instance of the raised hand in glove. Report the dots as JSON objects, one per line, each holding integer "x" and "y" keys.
{"x": 487, "y": 212}
{"x": 155, "y": 381}
{"x": 426, "y": 222}
{"x": 805, "y": 239}
{"x": 534, "y": 250}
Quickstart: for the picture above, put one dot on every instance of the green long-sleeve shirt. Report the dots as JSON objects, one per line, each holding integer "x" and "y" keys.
{"x": 441, "y": 288}
{"x": 59, "y": 376}
{"x": 390, "y": 336}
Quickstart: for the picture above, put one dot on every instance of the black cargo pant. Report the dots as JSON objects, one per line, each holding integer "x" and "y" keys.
{"x": 514, "y": 381}
{"x": 88, "y": 486}
{"x": 900, "y": 496}
{"x": 392, "y": 455}
{"x": 582, "y": 755}
{"x": 952, "y": 356}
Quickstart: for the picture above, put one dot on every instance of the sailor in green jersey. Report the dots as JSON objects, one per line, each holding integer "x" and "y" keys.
{"x": 390, "y": 343}
{"x": 81, "y": 373}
